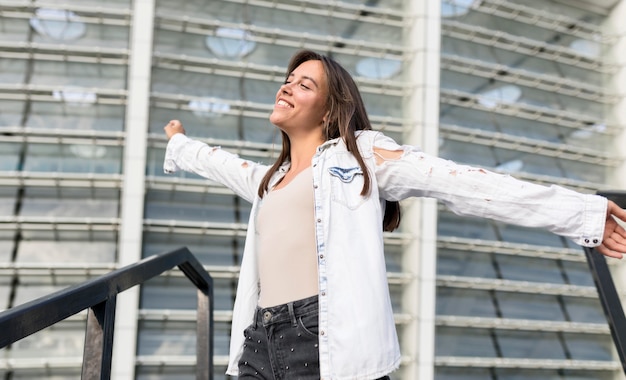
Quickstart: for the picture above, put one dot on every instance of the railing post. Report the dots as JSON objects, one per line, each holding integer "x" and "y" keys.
{"x": 98, "y": 350}
{"x": 204, "y": 328}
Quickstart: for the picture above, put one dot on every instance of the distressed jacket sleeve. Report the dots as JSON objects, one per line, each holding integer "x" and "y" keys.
{"x": 479, "y": 192}
{"x": 241, "y": 176}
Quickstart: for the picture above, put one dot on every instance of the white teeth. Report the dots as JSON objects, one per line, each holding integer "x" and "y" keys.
{"x": 283, "y": 103}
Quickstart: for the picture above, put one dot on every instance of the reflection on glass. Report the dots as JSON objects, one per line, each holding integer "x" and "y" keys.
{"x": 588, "y": 132}
{"x": 208, "y": 108}
{"x": 378, "y": 68}
{"x": 453, "y": 8}
{"x": 230, "y": 43}
{"x": 75, "y": 97}
{"x": 88, "y": 151}
{"x": 58, "y": 24}
{"x": 587, "y": 48}
{"x": 512, "y": 166}
{"x": 504, "y": 94}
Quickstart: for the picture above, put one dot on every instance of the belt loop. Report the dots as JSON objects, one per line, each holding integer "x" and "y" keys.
{"x": 292, "y": 314}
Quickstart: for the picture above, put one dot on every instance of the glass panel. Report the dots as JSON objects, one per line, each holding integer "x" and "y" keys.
{"x": 466, "y": 227}
{"x": 63, "y": 116}
{"x": 77, "y": 158}
{"x": 14, "y": 30}
{"x": 466, "y": 302}
{"x": 584, "y": 310}
{"x": 191, "y": 206}
{"x": 57, "y": 24}
{"x": 529, "y": 269}
{"x": 589, "y": 347}
{"x": 5, "y": 290}
{"x": 8, "y": 199}
{"x": 393, "y": 257}
{"x": 64, "y": 339}
{"x": 78, "y": 74}
{"x": 180, "y": 294}
{"x": 529, "y": 306}
{"x": 442, "y": 373}
{"x": 516, "y": 234}
{"x": 467, "y": 264}
{"x": 66, "y": 251}
{"x": 10, "y": 155}
{"x": 170, "y": 338}
{"x": 6, "y": 250}
{"x": 452, "y": 341}
{"x": 578, "y": 273}
{"x": 530, "y": 344}
{"x": 276, "y": 18}
{"x": 94, "y": 35}
{"x": 464, "y": 153}
{"x": 223, "y": 126}
{"x": 71, "y": 202}
{"x": 25, "y": 292}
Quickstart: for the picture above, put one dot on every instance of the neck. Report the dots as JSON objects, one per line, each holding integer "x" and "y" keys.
{"x": 303, "y": 149}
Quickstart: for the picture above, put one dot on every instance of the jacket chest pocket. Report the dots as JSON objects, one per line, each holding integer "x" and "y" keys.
{"x": 346, "y": 185}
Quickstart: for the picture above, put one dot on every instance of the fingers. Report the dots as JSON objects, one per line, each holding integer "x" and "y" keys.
{"x": 173, "y": 127}
{"x": 606, "y": 251}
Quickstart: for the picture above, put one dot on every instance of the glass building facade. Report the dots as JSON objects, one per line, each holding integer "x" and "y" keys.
{"x": 534, "y": 88}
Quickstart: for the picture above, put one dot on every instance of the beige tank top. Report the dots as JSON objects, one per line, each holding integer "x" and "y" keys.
{"x": 285, "y": 231}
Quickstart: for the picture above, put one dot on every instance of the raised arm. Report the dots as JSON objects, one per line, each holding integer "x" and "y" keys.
{"x": 182, "y": 153}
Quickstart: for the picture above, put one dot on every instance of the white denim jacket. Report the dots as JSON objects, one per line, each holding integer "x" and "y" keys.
{"x": 357, "y": 336}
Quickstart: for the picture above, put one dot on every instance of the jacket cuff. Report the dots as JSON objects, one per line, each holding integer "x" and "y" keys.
{"x": 594, "y": 219}
{"x": 171, "y": 153}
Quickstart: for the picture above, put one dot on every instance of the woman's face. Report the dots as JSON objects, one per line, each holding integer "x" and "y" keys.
{"x": 301, "y": 101}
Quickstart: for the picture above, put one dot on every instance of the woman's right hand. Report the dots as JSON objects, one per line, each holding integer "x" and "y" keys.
{"x": 173, "y": 127}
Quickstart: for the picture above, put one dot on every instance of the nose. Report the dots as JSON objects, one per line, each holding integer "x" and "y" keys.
{"x": 285, "y": 88}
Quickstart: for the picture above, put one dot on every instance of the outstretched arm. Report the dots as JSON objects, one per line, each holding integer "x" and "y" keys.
{"x": 182, "y": 153}
{"x": 614, "y": 238}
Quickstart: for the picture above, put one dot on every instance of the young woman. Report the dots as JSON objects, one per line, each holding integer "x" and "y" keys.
{"x": 312, "y": 300}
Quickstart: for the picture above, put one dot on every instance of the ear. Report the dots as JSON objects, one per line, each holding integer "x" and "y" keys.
{"x": 325, "y": 118}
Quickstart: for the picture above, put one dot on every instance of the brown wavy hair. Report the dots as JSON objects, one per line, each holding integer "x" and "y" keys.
{"x": 346, "y": 115}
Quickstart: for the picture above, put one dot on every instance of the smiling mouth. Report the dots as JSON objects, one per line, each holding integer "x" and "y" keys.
{"x": 282, "y": 103}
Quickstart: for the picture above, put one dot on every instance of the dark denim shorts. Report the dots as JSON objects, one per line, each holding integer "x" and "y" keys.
{"x": 282, "y": 343}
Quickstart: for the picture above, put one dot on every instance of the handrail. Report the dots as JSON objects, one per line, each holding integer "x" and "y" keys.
{"x": 607, "y": 293}
{"x": 99, "y": 296}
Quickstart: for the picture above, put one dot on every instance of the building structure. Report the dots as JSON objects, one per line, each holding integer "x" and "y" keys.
{"x": 534, "y": 88}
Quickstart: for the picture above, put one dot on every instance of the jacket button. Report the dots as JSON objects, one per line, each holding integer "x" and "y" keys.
{"x": 586, "y": 240}
{"x": 595, "y": 241}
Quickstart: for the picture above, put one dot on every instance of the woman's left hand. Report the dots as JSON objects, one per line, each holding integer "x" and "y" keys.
{"x": 614, "y": 238}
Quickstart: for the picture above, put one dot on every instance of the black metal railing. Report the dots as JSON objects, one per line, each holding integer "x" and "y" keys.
{"x": 609, "y": 297}
{"x": 99, "y": 296}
